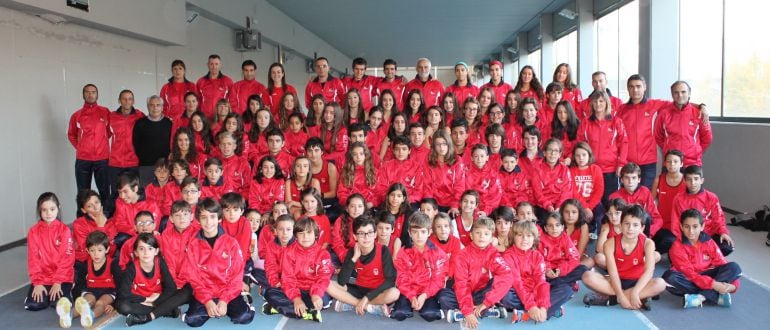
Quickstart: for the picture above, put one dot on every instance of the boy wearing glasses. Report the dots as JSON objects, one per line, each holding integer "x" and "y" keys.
{"x": 375, "y": 286}
{"x": 143, "y": 223}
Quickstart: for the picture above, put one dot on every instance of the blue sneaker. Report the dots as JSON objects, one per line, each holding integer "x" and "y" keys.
{"x": 342, "y": 307}
{"x": 378, "y": 310}
{"x": 693, "y": 300}
{"x": 559, "y": 313}
{"x": 725, "y": 300}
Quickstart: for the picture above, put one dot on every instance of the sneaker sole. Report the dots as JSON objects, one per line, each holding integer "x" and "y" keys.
{"x": 86, "y": 314}
{"x": 64, "y": 310}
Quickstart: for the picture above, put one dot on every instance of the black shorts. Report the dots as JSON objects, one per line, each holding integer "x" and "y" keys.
{"x": 99, "y": 292}
{"x": 357, "y": 291}
{"x": 627, "y": 284}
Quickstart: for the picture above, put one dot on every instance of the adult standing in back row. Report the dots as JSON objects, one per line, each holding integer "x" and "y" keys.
{"x": 683, "y": 126}
{"x": 151, "y": 139}
{"x": 213, "y": 87}
{"x": 432, "y": 89}
{"x": 89, "y": 133}
{"x": 324, "y": 84}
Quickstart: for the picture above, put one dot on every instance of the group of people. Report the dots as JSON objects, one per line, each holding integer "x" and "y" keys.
{"x": 386, "y": 195}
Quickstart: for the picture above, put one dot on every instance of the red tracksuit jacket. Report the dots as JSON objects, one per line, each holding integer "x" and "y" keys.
{"x": 445, "y": 183}
{"x": 708, "y": 204}
{"x": 339, "y": 246}
{"x": 237, "y": 173}
{"x": 683, "y": 130}
{"x": 573, "y": 95}
{"x": 500, "y": 90}
{"x": 263, "y": 195}
{"x": 154, "y": 192}
{"x": 214, "y": 272}
{"x": 486, "y": 181}
{"x": 215, "y": 191}
{"x": 89, "y": 133}
{"x": 171, "y": 193}
{"x": 693, "y": 259}
{"x": 122, "y": 130}
{"x": 588, "y": 186}
{"x": 125, "y": 214}
{"x": 421, "y": 272}
{"x": 551, "y": 186}
{"x": 639, "y": 120}
{"x": 175, "y": 245}
{"x": 83, "y": 226}
{"x": 528, "y": 268}
{"x": 213, "y": 90}
{"x": 172, "y": 93}
{"x": 274, "y": 260}
{"x": 365, "y": 86}
{"x": 473, "y": 269}
{"x": 516, "y": 187}
{"x": 559, "y": 253}
{"x": 462, "y": 92}
{"x": 239, "y": 97}
{"x": 295, "y": 142}
{"x": 451, "y": 247}
{"x": 305, "y": 269}
{"x": 396, "y": 86}
{"x": 405, "y": 172}
{"x": 50, "y": 255}
{"x": 584, "y": 111}
{"x": 359, "y": 186}
{"x": 432, "y": 90}
{"x": 273, "y": 100}
{"x": 332, "y": 91}
{"x": 608, "y": 141}
{"x": 241, "y": 231}
{"x": 643, "y": 197}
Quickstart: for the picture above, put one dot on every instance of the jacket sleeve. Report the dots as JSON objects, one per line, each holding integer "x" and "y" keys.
{"x": 676, "y": 212}
{"x": 542, "y": 288}
{"x": 566, "y": 191}
{"x": 124, "y": 287}
{"x": 201, "y": 291}
{"x": 72, "y": 131}
{"x": 622, "y": 143}
{"x": 597, "y": 180}
{"x": 459, "y": 183}
{"x": 503, "y": 279}
{"x": 705, "y": 135}
{"x": 681, "y": 263}
{"x": 33, "y": 258}
{"x": 235, "y": 279}
{"x": 404, "y": 277}
{"x": 343, "y": 192}
{"x": 438, "y": 277}
{"x": 571, "y": 256}
{"x": 324, "y": 271}
{"x": 167, "y": 281}
{"x": 659, "y": 131}
{"x": 272, "y": 270}
{"x": 657, "y": 220}
{"x": 717, "y": 224}
{"x": 462, "y": 285}
{"x": 289, "y": 276}
{"x": 388, "y": 271}
{"x": 339, "y": 246}
{"x": 308, "y": 97}
{"x": 347, "y": 269}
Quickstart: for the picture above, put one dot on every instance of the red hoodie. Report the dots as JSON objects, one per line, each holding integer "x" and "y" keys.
{"x": 643, "y": 197}
{"x": 236, "y": 171}
{"x": 305, "y": 269}
{"x": 528, "y": 269}
{"x": 239, "y": 97}
{"x": 125, "y": 214}
{"x": 82, "y": 227}
{"x": 405, "y": 172}
{"x": 683, "y": 129}
{"x": 359, "y": 186}
{"x": 588, "y": 186}
{"x": 175, "y": 245}
{"x": 332, "y": 91}
{"x": 421, "y": 272}
{"x": 263, "y": 195}
{"x": 694, "y": 259}
{"x": 432, "y": 91}
{"x": 365, "y": 87}
{"x": 608, "y": 141}
{"x": 213, "y": 90}
{"x": 462, "y": 92}
{"x": 516, "y": 187}
{"x": 396, "y": 86}
{"x": 473, "y": 269}
{"x": 486, "y": 181}
{"x": 639, "y": 120}
{"x": 122, "y": 131}
{"x": 551, "y": 186}
{"x": 214, "y": 272}
{"x": 241, "y": 231}
{"x": 50, "y": 255}
{"x": 501, "y": 90}
{"x": 559, "y": 253}
{"x": 89, "y": 133}
{"x": 445, "y": 183}
{"x": 273, "y": 261}
{"x": 172, "y": 93}
{"x": 708, "y": 204}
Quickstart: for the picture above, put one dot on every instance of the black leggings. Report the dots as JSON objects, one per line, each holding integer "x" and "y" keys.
{"x": 159, "y": 308}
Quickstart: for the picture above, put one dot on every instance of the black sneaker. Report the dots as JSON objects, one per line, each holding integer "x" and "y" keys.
{"x": 135, "y": 319}
{"x": 647, "y": 304}
{"x": 268, "y": 310}
{"x": 595, "y": 299}
{"x": 175, "y": 313}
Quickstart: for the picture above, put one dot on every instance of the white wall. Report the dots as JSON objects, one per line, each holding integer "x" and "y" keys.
{"x": 44, "y": 69}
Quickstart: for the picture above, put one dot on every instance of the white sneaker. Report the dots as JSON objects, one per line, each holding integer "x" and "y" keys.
{"x": 64, "y": 310}
{"x": 86, "y": 314}
{"x": 342, "y": 307}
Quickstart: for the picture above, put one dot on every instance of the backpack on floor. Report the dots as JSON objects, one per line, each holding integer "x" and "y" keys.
{"x": 759, "y": 222}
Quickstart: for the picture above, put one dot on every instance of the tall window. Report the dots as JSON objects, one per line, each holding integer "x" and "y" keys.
{"x": 565, "y": 51}
{"x": 700, "y": 50}
{"x": 618, "y": 46}
{"x": 534, "y": 60}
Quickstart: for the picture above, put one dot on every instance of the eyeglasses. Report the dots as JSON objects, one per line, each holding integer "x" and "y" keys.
{"x": 365, "y": 234}
{"x": 496, "y": 113}
{"x": 145, "y": 223}
{"x": 190, "y": 191}
{"x": 553, "y": 151}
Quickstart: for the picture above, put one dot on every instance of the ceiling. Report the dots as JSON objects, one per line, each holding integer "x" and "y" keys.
{"x": 446, "y": 31}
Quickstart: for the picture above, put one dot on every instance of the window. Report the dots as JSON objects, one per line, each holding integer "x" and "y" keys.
{"x": 565, "y": 51}
{"x": 511, "y": 73}
{"x": 746, "y": 61}
{"x": 534, "y": 60}
{"x": 700, "y": 50}
{"x": 618, "y": 46}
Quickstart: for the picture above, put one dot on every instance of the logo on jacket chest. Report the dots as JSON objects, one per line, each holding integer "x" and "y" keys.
{"x": 485, "y": 183}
